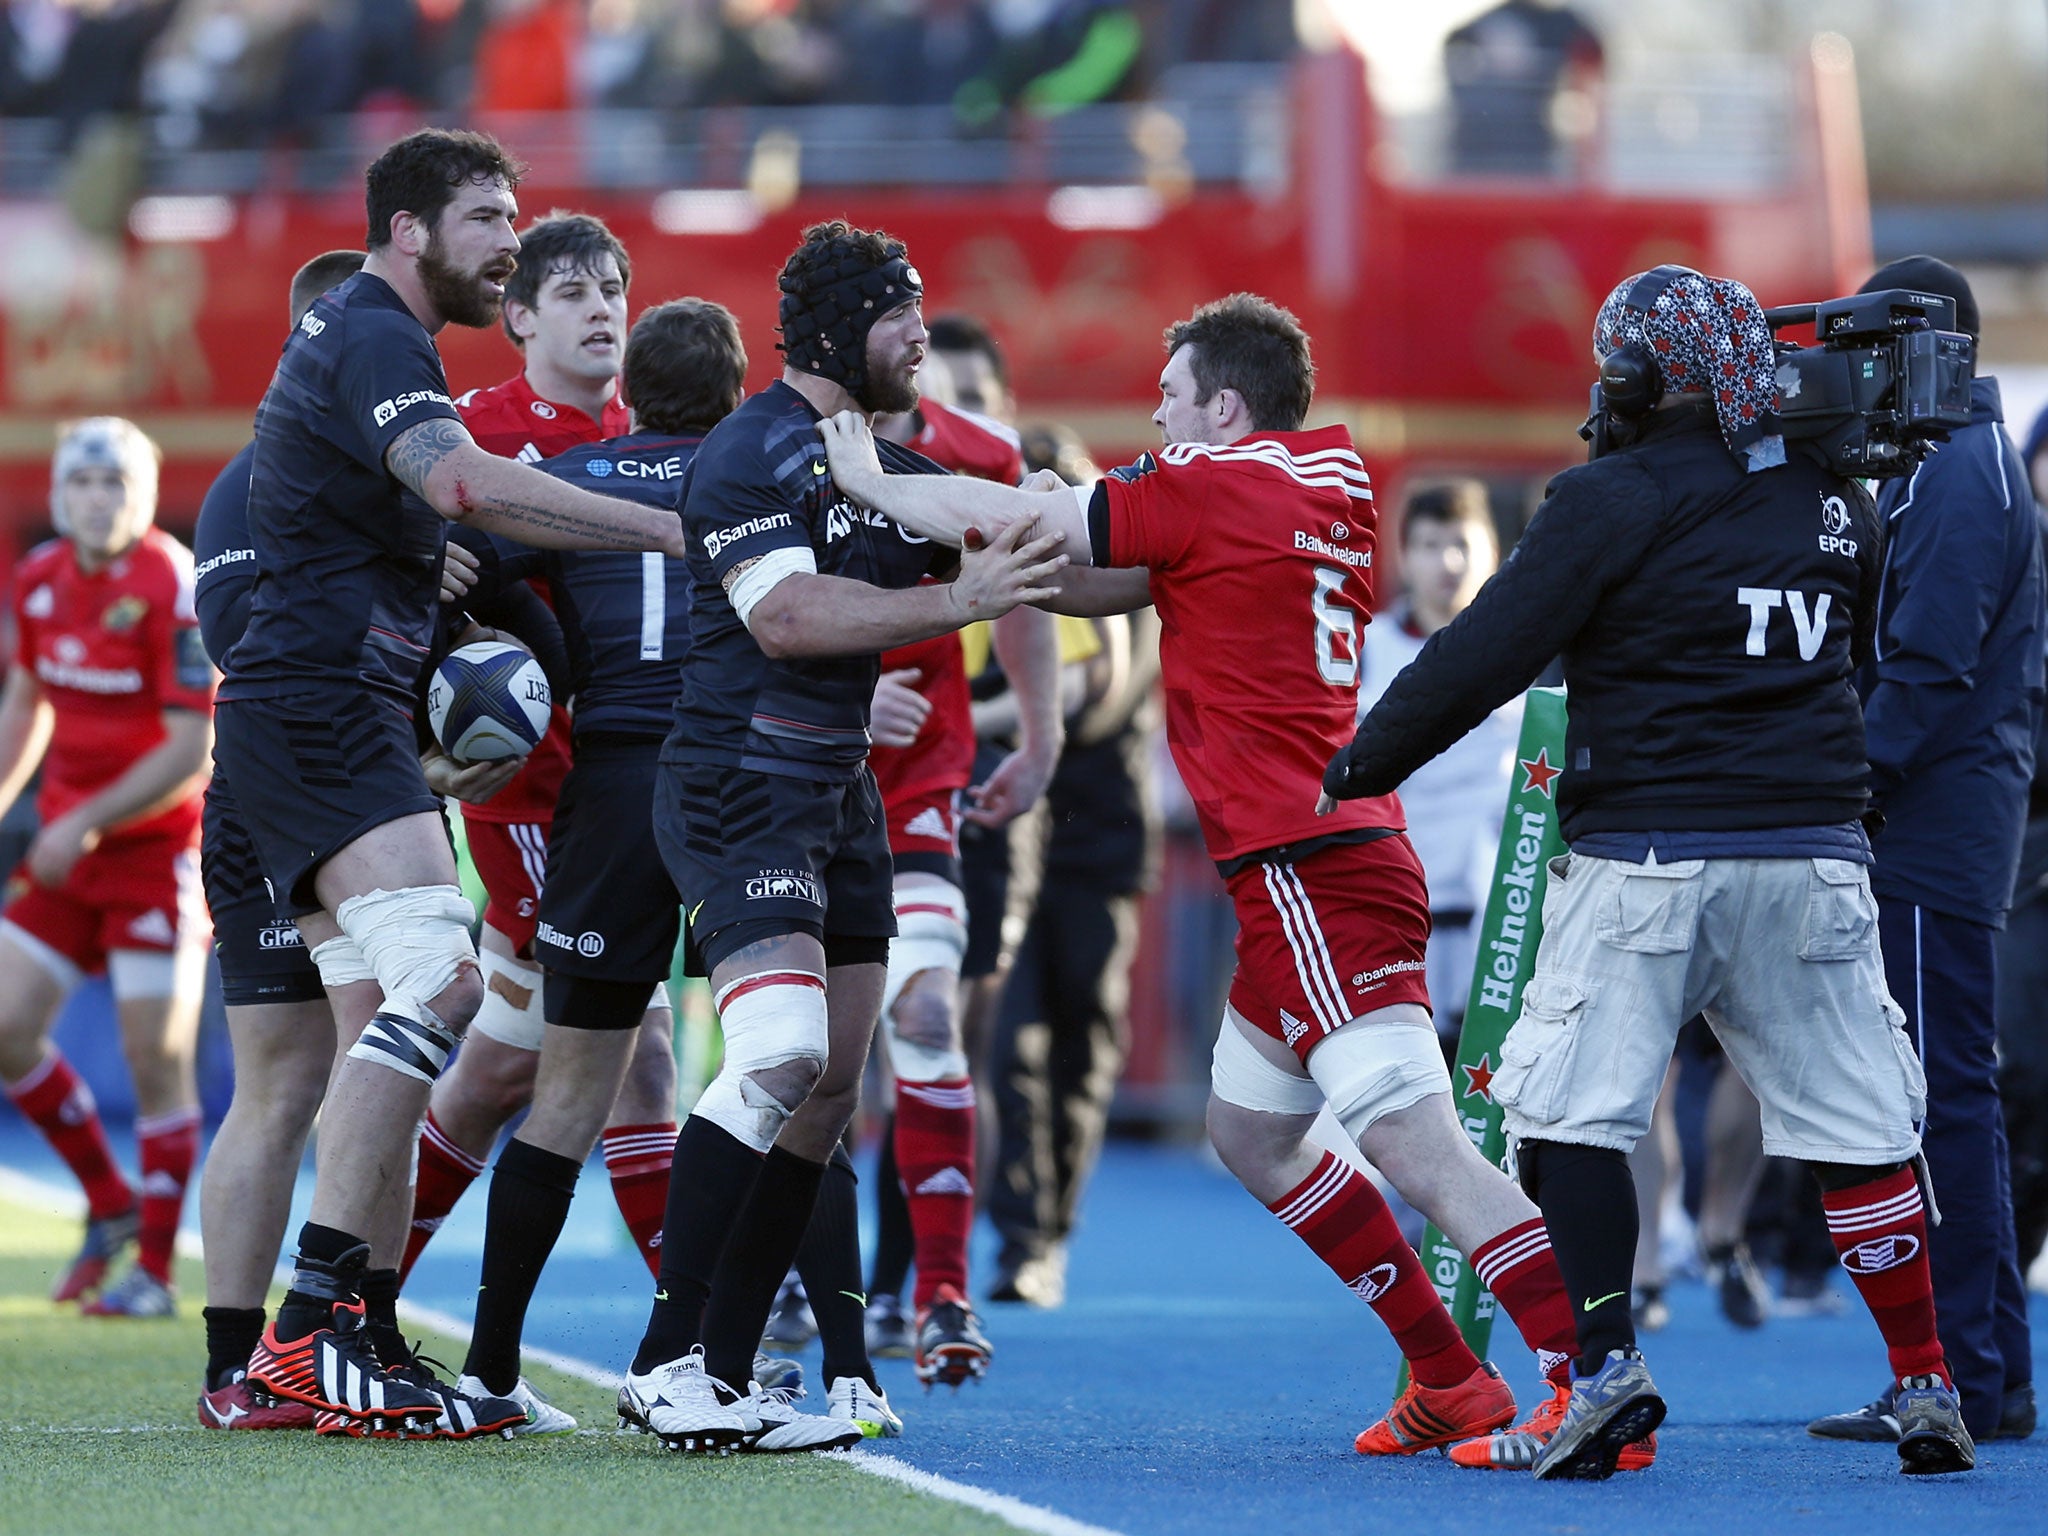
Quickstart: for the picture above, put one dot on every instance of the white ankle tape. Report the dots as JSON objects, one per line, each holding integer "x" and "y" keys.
{"x": 409, "y": 1047}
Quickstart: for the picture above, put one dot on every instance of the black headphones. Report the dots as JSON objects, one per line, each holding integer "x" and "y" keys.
{"x": 1630, "y": 382}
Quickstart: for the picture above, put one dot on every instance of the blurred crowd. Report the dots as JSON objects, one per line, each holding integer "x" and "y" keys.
{"x": 237, "y": 73}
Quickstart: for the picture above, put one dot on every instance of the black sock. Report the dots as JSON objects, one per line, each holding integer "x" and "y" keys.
{"x": 764, "y": 1244}
{"x": 330, "y": 1272}
{"x": 710, "y": 1179}
{"x": 530, "y": 1193}
{"x": 829, "y": 1262}
{"x": 1589, "y": 1206}
{"x": 231, "y": 1337}
{"x": 380, "y": 1317}
{"x": 895, "y": 1242}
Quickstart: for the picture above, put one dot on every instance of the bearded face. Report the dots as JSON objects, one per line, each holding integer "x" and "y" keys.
{"x": 895, "y": 350}
{"x": 464, "y": 292}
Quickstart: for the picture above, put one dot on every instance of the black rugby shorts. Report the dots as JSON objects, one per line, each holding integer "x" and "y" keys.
{"x": 750, "y": 848}
{"x": 262, "y": 958}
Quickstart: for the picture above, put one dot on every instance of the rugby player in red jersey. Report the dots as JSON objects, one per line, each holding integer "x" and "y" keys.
{"x": 565, "y": 309}
{"x": 1255, "y": 539}
{"x": 110, "y": 690}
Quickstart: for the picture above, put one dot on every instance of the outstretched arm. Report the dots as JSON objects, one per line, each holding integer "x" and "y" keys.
{"x": 944, "y": 508}
{"x": 441, "y": 464}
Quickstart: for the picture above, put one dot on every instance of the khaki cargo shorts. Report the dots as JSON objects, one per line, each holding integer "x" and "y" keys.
{"x": 1781, "y": 955}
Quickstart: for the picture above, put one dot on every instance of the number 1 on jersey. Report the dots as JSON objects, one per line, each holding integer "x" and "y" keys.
{"x": 1336, "y": 630}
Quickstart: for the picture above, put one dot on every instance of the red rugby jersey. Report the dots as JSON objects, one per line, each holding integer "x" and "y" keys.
{"x": 112, "y": 649}
{"x": 942, "y": 757}
{"x": 1261, "y": 557}
{"x": 513, "y": 422}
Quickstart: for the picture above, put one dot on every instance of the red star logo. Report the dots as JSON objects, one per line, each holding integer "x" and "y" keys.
{"x": 1537, "y": 774}
{"x": 1479, "y": 1079}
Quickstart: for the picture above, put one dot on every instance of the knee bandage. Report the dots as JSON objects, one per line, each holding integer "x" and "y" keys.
{"x": 416, "y": 942}
{"x": 340, "y": 963}
{"x": 931, "y": 935}
{"x": 415, "y": 1048}
{"x": 1367, "y": 1071}
{"x": 769, "y": 1020}
{"x": 511, "y": 1012}
{"x": 1239, "y": 1075}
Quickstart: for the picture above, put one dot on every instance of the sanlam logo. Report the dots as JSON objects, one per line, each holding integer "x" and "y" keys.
{"x": 388, "y": 411}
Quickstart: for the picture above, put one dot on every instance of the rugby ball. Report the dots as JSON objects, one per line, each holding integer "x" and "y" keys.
{"x": 488, "y": 700}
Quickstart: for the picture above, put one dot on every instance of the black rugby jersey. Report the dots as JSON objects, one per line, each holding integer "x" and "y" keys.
{"x": 760, "y": 483}
{"x": 348, "y": 563}
{"x": 223, "y": 563}
{"x": 625, "y": 616}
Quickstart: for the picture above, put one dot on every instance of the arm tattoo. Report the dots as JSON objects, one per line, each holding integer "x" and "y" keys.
{"x": 738, "y": 571}
{"x": 413, "y": 456}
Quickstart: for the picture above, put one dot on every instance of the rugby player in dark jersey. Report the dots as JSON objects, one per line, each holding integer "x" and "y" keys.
{"x": 769, "y": 821}
{"x": 609, "y": 913}
{"x": 361, "y": 462}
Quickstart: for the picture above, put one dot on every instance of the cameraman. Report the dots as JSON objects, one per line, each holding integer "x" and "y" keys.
{"x": 1951, "y": 701}
{"x": 1709, "y": 596}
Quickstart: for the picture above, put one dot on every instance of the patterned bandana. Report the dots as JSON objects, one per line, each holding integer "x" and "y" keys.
{"x": 1709, "y": 335}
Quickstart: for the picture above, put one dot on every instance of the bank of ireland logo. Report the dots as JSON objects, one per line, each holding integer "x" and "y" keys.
{"x": 1339, "y": 532}
{"x": 1834, "y": 514}
{"x": 1881, "y": 1253}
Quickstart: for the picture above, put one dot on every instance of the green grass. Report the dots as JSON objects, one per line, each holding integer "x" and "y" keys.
{"x": 99, "y": 1434}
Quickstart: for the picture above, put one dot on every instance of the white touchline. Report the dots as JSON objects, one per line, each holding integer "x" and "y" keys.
{"x": 1013, "y": 1512}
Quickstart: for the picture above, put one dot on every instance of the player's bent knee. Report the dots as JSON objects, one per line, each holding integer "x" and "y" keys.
{"x": 924, "y": 1039}
{"x": 777, "y": 1042}
{"x": 1369, "y": 1071}
{"x": 416, "y": 943}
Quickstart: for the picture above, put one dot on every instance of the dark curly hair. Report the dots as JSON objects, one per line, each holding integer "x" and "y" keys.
{"x": 1255, "y": 347}
{"x": 421, "y": 173}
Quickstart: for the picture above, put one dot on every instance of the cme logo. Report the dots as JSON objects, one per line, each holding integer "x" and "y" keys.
{"x": 600, "y": 469}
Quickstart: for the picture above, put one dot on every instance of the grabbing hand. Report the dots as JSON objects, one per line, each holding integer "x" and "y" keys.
{"x": 899, "y": 711}
{"x": 1016, "y": 567}
{"x": 1016, "y": 784}
{"x": 471, "y": 783}
{"x": 459, "y": 570}
{"x": 850, "y": 450}
{"x": 1337, "y": 780}
{"x": 58, "y": 848}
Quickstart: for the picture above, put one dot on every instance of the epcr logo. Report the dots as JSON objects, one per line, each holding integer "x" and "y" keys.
{"x": 1834, "y": 513}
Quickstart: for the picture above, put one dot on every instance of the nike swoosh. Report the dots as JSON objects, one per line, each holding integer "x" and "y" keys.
{"x": 226, "y": 1420}
{"x": 855, "y": 1297}
{"x": 817, "y": 469}
{"x": 1602, "y": 1301}
{"x": 661, "y": 1295}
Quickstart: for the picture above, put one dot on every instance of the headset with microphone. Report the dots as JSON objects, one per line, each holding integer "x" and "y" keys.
{"x": 1630, "y": 384}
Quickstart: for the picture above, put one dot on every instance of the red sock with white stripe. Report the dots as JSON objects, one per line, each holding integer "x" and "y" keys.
{"x": 1521, "y": 1271}
{"x": 638, "y": 1158}
{"x": 445, "y": 1171}
{"x": 168, "y": 1147}
{"x": 1880, "y": 1233}
{"x": 935, "y": 1160}
{"x": 57, "y": 1102}
{"x": 1338, "y": 1213}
